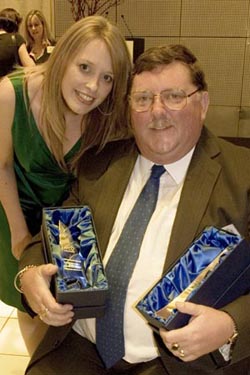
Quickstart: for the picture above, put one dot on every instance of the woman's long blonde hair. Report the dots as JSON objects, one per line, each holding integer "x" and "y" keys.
{"x": 98, "y": 127}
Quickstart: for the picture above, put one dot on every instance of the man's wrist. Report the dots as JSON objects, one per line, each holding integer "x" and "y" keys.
{"x": 232, "y": 339}
{"x": 227, "y": 349}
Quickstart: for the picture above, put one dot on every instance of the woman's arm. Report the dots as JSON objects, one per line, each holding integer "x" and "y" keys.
{"x": 8, "y": 187}
{"x": 25, "y": 58}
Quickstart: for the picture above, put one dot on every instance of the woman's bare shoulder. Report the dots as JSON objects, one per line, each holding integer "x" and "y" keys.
{"x": 7, "y": 92}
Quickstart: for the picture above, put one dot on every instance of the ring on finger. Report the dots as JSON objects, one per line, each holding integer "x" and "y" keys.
{"x": 43, "y": 313}
{"x": 181, "y": 353}
{"x": 175, "y": 346}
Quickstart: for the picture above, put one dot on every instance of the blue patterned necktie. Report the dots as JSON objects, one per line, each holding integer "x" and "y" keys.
{"x": 109, "y": 329}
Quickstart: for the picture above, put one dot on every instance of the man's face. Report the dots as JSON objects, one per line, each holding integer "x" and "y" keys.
{"x": 164, "y": 135}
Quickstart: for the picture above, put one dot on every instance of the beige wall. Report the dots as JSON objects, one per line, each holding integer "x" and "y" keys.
{"x": 218, "y": 33}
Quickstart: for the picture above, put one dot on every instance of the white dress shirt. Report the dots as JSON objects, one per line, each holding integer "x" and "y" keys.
{"x": 139, "y": 341}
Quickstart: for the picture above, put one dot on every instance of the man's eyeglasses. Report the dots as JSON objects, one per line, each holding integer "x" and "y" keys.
{"x": 142, "y": 101}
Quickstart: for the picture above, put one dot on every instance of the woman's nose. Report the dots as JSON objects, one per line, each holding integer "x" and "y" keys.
{"x": 92, "y": 83}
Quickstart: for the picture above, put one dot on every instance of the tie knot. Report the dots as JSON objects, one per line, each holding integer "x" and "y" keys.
{"x": 157, "y": 171}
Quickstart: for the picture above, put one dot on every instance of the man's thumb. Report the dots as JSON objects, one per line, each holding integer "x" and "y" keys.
{"x": 188, "y": 308}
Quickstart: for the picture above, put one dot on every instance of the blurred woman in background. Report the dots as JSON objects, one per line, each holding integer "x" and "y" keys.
{"x": 13, "y": 51}
{"x": 39, "y": 39}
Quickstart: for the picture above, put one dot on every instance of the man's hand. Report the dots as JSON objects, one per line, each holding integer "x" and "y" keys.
{"x": 35, "y": 285}
{"x": 208, "y": 329}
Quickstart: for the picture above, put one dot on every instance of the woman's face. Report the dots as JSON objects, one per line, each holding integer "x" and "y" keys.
{"x": 35, "y": 28}
{"x": 88, "y": 78}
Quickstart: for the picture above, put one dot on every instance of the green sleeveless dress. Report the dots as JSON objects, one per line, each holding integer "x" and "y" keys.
{"x": 40, "y": 183}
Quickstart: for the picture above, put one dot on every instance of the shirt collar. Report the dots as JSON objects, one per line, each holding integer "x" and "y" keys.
{"x": 177, "y": 170}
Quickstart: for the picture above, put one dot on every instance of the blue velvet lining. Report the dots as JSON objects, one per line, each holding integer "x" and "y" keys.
{"x": 199, "y": 255}
{"x": 82, "y": 268}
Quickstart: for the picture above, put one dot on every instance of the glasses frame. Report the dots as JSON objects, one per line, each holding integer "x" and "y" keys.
{"x": 159, "y": 95}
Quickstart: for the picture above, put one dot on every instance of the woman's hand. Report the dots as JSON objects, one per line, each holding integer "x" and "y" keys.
{"x": 35, "y": 283}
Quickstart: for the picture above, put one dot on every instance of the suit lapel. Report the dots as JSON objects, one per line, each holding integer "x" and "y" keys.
{"x": 111, "y": 190}
{"x": 200, "y": 180}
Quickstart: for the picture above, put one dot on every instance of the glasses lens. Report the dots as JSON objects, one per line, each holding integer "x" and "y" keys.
{"x": 174, "y": 99}
{"x": 141, "y": 101}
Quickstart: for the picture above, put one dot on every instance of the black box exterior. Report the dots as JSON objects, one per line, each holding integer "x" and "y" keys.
{"x": 229, "y": 280}
{"x": 70, "y": 242}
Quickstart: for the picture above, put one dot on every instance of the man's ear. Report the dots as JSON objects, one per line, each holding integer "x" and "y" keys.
{"x": 204, "y": 104}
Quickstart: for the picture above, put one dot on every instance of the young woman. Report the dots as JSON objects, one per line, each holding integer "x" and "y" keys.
{"x": 49, "y": 115}
{"x": 13, "y": 49}
{"x": 39, "y": 39}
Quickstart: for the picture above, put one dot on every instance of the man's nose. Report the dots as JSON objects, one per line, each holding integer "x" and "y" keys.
{"x": 157, "y": 105}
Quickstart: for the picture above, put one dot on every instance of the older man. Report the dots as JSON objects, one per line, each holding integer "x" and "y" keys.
{"x": 205, "y": 181}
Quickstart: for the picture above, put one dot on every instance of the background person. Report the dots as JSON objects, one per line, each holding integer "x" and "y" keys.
{"x": 40, "y": 41}
{"x": 13, "y": 49}
{"x": 49, "y": 116}
{"x": 203, "y": 185}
